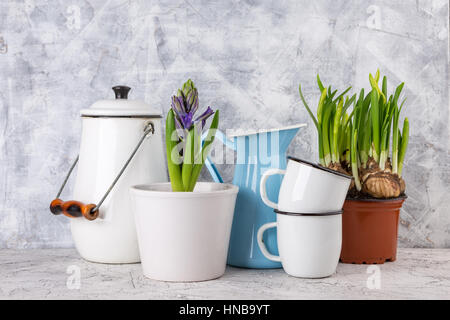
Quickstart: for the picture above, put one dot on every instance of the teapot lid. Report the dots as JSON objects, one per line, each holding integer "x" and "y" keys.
{"x": 121, "y": 107}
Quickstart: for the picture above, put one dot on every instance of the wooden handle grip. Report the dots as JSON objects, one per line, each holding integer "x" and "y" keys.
{"x": 73, "y": 209}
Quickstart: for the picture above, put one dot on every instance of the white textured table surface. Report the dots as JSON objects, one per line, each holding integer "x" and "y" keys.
{"x": 43, "y": 274}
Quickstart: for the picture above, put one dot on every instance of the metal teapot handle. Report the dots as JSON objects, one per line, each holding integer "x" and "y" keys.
{"x": 75, "y": 209}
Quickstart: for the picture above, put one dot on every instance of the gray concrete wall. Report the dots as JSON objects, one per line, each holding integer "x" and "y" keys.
{"x": 246, "y": 57}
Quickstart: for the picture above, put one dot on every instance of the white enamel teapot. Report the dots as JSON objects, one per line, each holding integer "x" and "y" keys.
{"x": 121, "y": 146}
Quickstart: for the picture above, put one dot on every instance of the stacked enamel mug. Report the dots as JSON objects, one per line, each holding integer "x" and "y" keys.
{"x": 309, "y": 218}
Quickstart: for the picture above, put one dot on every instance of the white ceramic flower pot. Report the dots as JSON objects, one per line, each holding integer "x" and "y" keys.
{"x": 183, "y": 236}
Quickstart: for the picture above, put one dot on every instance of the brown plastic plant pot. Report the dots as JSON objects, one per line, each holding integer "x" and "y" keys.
{"x": 369, "y": 230}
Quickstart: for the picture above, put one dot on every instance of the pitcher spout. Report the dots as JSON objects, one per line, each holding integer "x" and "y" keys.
{"x": 287, "y": 134}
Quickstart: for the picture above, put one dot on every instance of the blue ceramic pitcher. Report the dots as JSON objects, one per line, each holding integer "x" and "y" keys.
{"x": 256, "y": 152}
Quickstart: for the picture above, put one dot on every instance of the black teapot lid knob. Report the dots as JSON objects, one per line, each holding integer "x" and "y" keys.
{"x": 121, "y": 92}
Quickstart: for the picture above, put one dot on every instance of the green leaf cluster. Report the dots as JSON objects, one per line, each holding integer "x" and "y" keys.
{"x": 367, "y": 132}
{"x": 332, "y": 123}
{"x": 185, "y": 158}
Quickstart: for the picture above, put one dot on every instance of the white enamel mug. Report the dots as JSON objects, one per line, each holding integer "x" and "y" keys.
{"x": 309, "y": 244}
{"x": 307, "y": 188}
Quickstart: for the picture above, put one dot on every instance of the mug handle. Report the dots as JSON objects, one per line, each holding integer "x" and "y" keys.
{"x": 262, "y": 186}
{"x": 262, "y": 246}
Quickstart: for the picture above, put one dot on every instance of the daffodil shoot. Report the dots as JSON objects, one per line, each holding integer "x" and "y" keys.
{"x": 358, "y": 143}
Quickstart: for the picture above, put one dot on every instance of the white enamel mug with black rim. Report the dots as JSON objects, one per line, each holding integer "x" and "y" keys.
{"x": 309, "y": 244}
{"x": 307, "y": 187}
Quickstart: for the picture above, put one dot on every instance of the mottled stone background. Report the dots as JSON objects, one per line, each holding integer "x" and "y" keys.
{"x": 246, "y": 57}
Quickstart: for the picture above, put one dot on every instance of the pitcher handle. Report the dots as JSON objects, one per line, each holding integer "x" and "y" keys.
{"x": 262, "y": 246}
{"x": 262, "y": 186}
{"x": 213, "y": 171}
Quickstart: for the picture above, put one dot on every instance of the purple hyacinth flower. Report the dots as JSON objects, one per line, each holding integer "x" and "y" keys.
{"x": 185, "y": 104}
{"x": 178, "y": 105}
{"x": 186, "y": 120}
{"x": 204, "y": 116}
{"x": 178, "y": 124}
